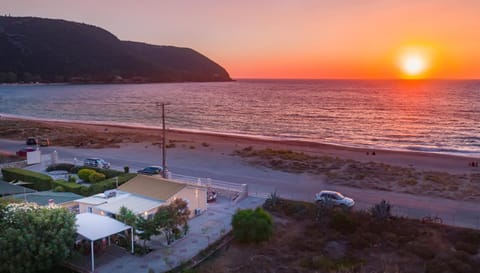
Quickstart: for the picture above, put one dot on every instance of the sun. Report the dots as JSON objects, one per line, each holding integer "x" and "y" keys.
{"x": 414, "y": 63}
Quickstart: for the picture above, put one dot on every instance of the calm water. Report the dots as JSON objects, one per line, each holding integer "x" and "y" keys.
{"x": 436, "y": 116}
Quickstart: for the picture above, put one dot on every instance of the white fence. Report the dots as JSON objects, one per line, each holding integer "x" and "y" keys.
{"x": 235, "y": 192}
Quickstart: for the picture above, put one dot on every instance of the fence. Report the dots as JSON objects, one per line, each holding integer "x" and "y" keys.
{"x": 233, "y": 191}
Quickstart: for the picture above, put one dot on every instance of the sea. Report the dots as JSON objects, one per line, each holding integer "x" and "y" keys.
{"x": 437, "y": 116}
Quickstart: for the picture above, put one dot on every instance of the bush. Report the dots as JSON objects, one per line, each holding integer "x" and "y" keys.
{"x": 252, "y": 225}
{"x": 109, "y": 173}
{"x": 60, "y": 167}
{"x": 67, "y": 186}
{"x": 84, "y": 174}
{"x": 72, "y": 179}
{"x": 59, "y": 189}
{"x": 126, "y": 169}
{"x": 381, "y": 211}
{"x": 96, "y": 177}
{"x": 40, "y": 182}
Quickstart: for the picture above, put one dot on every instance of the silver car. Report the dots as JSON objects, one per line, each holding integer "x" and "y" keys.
{"x": 336, "y": 198}
{"x": 96, "y": 163}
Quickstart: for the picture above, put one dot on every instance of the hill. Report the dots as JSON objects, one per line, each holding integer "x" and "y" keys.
{"x": 49, "y": 50}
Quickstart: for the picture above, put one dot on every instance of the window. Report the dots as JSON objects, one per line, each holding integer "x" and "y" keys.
{"x": 89, "y": 209}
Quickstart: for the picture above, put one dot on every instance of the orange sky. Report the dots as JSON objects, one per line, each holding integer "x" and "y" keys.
{"x": 291, "y": 39}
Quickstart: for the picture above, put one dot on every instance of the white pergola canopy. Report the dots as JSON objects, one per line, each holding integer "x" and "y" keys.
{"x": 93, "y": 227}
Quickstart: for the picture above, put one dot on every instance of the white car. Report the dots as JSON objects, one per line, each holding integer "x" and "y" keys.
{"x": 336, "y": 198}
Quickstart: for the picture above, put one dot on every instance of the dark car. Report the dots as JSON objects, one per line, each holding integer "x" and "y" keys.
{"x": 23, "y": 152}
{"x": 151, "y": 170}
{"x": 31, "y": 141}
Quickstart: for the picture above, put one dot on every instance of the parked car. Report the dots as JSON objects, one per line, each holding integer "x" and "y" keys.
{"x": 336, "y": 199}
{"x": 151, "y": 170}
{"x": 23, "y": 152}
{"x": 32, "y": 141}
{"x": 97, "y": 163}
{"x": 44, "y": 142}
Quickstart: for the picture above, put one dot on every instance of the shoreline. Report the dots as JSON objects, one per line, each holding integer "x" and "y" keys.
{"x": 245, "y": 137}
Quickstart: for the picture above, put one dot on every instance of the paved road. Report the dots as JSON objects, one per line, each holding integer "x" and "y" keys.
{"x": 292, "y": 186}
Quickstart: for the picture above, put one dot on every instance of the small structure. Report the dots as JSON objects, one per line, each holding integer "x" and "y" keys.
{"x": 94, "y": 227}
{"x": 166, "y": 191}
{"x": 46, "y": 198}
{"x": 7, "y": 189}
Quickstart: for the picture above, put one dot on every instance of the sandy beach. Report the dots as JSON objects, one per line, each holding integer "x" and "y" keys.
{"x": 436, "y": 175}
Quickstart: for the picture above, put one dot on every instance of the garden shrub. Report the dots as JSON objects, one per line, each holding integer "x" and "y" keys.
{"x": 96, "y": 177}
{"x": 67, "y": 186}
{"x": 252, "y": 225}
{"x": 40, "y": 182}
{"x": 72, "y": 179}
{"x": 109, "y": 173}
{"x": 60, "y": 167}
{"x": 84, "y": 174}
{"x": 59, "y": 189}
{"x": 94, "y": 188}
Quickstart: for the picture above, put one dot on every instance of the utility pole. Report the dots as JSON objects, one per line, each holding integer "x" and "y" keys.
{"x": 164, "y": 145}
{"x": 164, "y": 142}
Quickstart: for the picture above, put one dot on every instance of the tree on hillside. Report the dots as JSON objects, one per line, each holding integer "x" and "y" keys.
{"x": 34, "y": 238}
{"x": 252, "y": 225}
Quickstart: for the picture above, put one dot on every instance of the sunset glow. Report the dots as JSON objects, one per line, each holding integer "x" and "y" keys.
{"x": 294, "y": 39}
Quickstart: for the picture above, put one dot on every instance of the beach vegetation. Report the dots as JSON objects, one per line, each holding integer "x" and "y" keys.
{"x": 381, "y": 211}
{"x": 272, "y": 201}
{"x": 205, "y": 144}
{"x": 192, "y": 147}
{"x": 170, "y": 145}
{"x": 34, "y": 238}
{"x": 38, "y": 181}
{"x": 252, "y": 225}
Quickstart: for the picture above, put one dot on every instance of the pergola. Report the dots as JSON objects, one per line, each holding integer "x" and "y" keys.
{"x": 93, "y": 227}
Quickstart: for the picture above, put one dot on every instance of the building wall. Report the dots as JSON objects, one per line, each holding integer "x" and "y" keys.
{"x": 196, "y": 198}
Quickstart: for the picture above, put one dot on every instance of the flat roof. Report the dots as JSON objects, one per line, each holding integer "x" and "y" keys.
{"x": 92, "y": 200}
{"x": 9, "y": 189}
{"x": 136, "y": 204}
{"x": 153, "y": 187}
{"x": 42, "y": 197}
{"x": 94, "y": 226}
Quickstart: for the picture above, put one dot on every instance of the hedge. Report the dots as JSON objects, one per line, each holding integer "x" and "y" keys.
{"x": 61, "y": 167}
{"x": 99, "y": 187}
{"x": 109, "y": 173}
{"x": 40, "y": 182}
